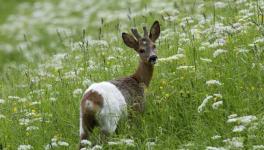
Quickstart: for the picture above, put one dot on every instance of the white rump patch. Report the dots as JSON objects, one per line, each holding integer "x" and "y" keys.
{"x": 114, "y": 105}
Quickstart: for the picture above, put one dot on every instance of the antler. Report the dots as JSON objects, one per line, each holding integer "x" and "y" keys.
{"x": 135, "y": 32}
{"x": 145, "y": 31}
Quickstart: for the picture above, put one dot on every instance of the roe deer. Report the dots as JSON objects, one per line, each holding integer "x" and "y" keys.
{"x": 104, "y": 103}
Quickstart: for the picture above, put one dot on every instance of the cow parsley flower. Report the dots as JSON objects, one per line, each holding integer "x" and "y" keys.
{"x": 173, "y": 57}
{"x": 86, "y": 143}
{"x": 216, "y": 105}
{"x": 219, "y": 52}
{"x": 215, "y": 137}
{"x": 219, "y": 4}
{"x": 77, "y": 92}
{"x": 63, "y": 143}
{"x": 2, "y": 101}
{"x": 213, "y": 82}
{"x": 97, "y": 147}
{"x": 257, "y": 147}
{"x": 2, "y": 116}
{"x": 25, "y": 147}
{"x": 215, "y": 148}
{"x": 31, "y": 128}
{"x": 205, "y": 101}
{"x": 206, "y": 60}
{"x": 239, "y": 128}
{"x": 243, "y": 119}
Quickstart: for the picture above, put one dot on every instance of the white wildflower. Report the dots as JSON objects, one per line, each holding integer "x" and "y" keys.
{"x": 114, "y": 143}
{"x": 150, "y": 145}
{"x": 25, "y": 147}
{"x": 206, "y": 59}
{"x": 97, "y": 147}
{"x": 219, "y": 52}
{"x": 2, "y": 101}
{"x": 2, "y": 116}
{"x": 216, "y": 105}
{"x": 232, "y": 116}
{"x": 13, "y": 97}
{"x": 243, "y": 119}
{"x": 242, "y": 50}
{"x": 259, "y": 40}
{"x": 239, "y": 128}
{"x": 220, "y": 4}
{"x": 215, "y": 148}
{"x": 218, "y": 95}
{"x": 235, "y": 142}
{"x": 213, "y": 82}
{"x": 202, "y": 106}
{"x": 24, "y": 121}
{"x": 54, "y": 139}
{"x": 86, "y": 142}
{"x": 220, "y": 42}
{"x": 53, "y": 99}
{"x": 215, "y": 137}
{"x": 86, "y": 83}
{"x": 31, "y": 128}
{"x": 185, "y": 67}
{"x": 173, "y": 57}
{"x": 77, "y": 92}
{"x": 98, "y": 43}
{"x": 70, "y": 75}
{"x": 257, "y": 147}
{"x": 35, "y": 103}
{"x": 63, "y": 143}
{"x": 128, "y": 142}
{"x": 22, "y": 100}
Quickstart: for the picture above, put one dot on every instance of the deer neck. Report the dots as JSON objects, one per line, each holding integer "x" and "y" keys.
{"x": 143, "y": 73}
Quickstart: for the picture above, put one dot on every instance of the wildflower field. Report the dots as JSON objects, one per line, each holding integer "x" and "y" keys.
{"x": 207, "y": 91}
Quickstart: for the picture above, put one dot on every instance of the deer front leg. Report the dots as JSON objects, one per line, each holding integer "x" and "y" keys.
{"x": 139, "y": 104}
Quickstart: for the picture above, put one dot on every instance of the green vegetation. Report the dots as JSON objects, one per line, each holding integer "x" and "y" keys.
{"x": 211, "y": 57}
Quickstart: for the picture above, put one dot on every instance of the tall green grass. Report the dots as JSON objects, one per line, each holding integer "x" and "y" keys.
{"x": 44, "y": 95}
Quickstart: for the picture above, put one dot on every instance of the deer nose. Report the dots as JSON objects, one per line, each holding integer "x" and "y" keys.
{"x": 153, "y": 59}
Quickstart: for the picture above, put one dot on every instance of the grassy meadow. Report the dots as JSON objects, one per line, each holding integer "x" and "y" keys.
{"x": 207, "y": 91}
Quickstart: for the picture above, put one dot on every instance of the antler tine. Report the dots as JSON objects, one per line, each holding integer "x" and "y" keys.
{"x": 145, "y": 31}
{"x": 135, "y": 32}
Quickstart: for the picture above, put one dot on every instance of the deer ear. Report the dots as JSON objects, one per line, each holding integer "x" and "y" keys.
{"x": 130, "y": 41}
{"x": 154, "y": 31}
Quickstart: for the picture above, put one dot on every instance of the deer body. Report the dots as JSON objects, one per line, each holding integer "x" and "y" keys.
{"x": 104, "y": 103}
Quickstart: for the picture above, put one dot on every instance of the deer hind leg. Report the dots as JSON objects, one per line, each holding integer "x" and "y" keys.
{"x": 90, "y": 105}
{"x": 87, "y": 124}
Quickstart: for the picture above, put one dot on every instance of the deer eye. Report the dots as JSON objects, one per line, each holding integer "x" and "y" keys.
{"x": 141, "y": 50}
{"x": 154, "y": 46}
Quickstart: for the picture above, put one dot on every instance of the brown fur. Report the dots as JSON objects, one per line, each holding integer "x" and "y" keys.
{"x": 88, "y": 116}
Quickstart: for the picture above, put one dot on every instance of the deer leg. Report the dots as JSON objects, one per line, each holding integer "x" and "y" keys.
{"x": 87, "y": 124}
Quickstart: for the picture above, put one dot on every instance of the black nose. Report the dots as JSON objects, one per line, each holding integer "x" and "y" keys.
{"x": 153, "y": 58}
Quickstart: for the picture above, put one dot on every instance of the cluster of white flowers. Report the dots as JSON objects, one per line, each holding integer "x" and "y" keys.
{"x": 56, "y": 143}
{"x": 205, "y": 101}
{"x": 215, "y": 148}
{"x": 128, "y": 142}
{"x": 215, "y": 105}
{"x": 2, "y": 101}
{"x": 213, "y": 82}
{"x": 77, "y": 92}
{"x": 219, "y": 52}
{"x": 185, "y": 67}
{"x": 173, "y": 57}
{"x": 235, "y": 142}
{"x": 243, "y": 120}
{"x": 25, "y": 147}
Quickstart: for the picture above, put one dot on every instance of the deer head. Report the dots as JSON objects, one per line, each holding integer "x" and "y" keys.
{"x": 144, "y": 46}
